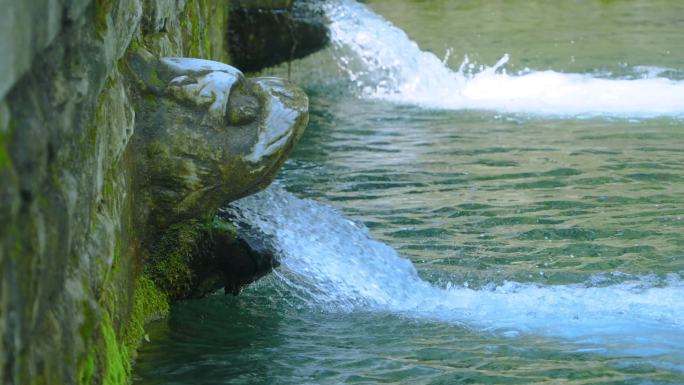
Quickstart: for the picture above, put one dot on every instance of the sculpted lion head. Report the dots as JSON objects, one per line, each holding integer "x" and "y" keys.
{"x": 207, "y": 133}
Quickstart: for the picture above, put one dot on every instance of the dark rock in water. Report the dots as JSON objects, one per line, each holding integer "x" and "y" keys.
{"x": 243, "y": 260}
{"x": 262, "y": 35}
{"x": 248, "y": 256}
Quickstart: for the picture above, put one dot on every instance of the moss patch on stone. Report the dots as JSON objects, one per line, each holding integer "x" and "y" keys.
{"x": 117, "y": 367}
{"x": 4, "y": 156}
{"x": 86, "y": 370}
{"x": 103, "y": 8}
{"x": 5, "y": 133}
{"x": 149, "y": 304}
{"x": 116, "y": 334}
{"x": 169, "y": 265}
{"x": 87, "y": 365}
{"x": 204, "y": 24}
{"x": 183, "y": 249}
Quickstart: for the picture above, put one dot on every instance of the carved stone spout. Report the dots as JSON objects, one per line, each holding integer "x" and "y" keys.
{"x": 207, "y": 134}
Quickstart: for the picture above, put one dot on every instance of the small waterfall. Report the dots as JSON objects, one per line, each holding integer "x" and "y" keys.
{"x": 333, "y": 262}
{"x": 383, "y": 63}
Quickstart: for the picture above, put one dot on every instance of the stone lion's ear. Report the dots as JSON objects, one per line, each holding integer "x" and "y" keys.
{"x": 143, "y": 68}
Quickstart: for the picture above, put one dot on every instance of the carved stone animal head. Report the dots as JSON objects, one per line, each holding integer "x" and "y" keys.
{"x": 208, "y": 135}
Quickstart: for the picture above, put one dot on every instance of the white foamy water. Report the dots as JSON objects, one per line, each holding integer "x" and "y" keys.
{"x": 332, "y": 261}
{"x": 385, "y": 64}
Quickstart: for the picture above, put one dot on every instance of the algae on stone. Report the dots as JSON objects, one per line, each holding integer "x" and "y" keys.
{"x": 149, "y": 304}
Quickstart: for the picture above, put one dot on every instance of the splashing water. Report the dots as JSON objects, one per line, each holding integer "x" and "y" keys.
{"x": 385, "y": 64}
{"x": 332, "y": 261}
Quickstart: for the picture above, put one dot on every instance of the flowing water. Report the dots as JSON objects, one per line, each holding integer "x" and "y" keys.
{"x": 513, "y": 217}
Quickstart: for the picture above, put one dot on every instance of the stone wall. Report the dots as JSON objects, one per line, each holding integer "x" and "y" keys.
{"x": 73, "y": 293}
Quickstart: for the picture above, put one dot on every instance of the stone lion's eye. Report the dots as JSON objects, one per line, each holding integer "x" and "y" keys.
{"x": 182, "y": 81}
{"x": 242, "y": 109}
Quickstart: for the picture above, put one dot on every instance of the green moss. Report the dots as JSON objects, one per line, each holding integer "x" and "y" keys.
{"x": 184, "y": 246}
{"x": 149, "y": 304}
{"x": 134, "y": 45}
{"x": 150, "y": 99}
{"x": 206, "y": 36}
{"x": 117, "y": 367}
{"x": 4, "y": 156}
{"x": 216, "y": 32}
{"x": 169, "y": 266}
{"x": 88, "y": 142}
{"x": 108, "y": 358}
{"x": 195, "y": 38}
{"x": 102, "y": 10}
{"x": 54, "y": 175}
{"x": 117, "y": 256}
{"x": 154, "y": 77}
{"x": 5, "y": 160}
{"x": 86, "y": 370}
{"x": 88, "y": 325}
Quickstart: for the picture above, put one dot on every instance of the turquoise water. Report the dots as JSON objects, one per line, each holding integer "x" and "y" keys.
{"x": 543, "y": 228}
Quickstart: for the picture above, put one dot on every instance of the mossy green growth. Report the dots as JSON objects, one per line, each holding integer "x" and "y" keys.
{"x": 134, "y": 45}
{"x": 154, "y": 78}
{"x": 190, "y": 24}
{"x": 150, "y": 99}
{"x": 169, "y": 266}
{"x": 108, "y": 360}
{"x": 87, "y": 366}
{"x": 183, "y": 246}
{"x": 206, "y": 37}
{"x": 4, "y": 156}
{"x": 117, "y": 367}
{"x": 216, "y": 33}
{"x": 204, "y": 26}
{"x": 102, "y": 10}
{"x": 5, "y": 160}
{"x": 149, "y": 304}
{"x": 86, "y": 370}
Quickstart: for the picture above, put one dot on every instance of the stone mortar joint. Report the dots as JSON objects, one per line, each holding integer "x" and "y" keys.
{"x": 207, "y": 134}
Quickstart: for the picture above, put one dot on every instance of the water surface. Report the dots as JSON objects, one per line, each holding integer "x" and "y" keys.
{"x": 544, "y": 238}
